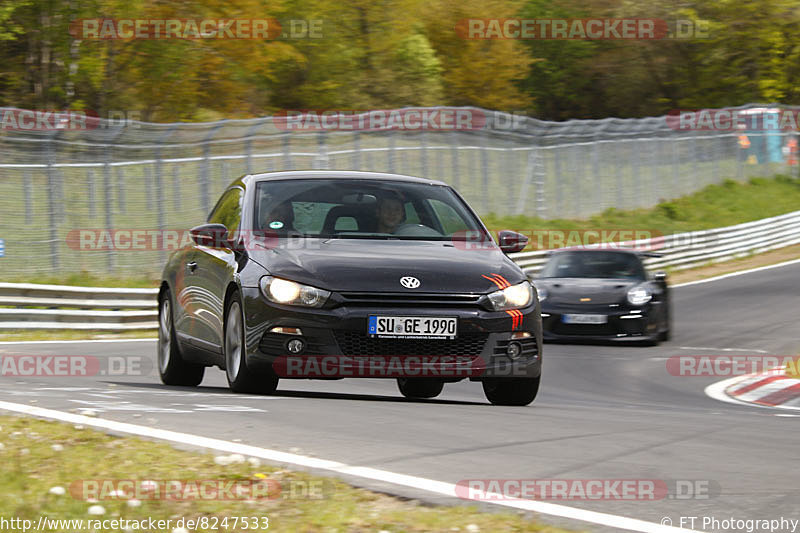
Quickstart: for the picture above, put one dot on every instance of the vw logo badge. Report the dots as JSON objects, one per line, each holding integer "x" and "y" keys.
{"x": 409, "y": 282}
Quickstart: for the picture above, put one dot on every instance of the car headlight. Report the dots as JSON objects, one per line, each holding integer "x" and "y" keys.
{"x": 513, "y": 297}
{"x": 283, "y": 291}
{"x": 639, "y": 296}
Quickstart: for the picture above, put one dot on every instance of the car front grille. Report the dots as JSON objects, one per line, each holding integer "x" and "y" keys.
{"x": 410, "y": 299}
{"x": 354, "y": 343}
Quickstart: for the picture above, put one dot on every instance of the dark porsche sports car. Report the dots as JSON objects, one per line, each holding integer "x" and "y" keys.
{"x": 331, "y": 274}
{"x": 603, "y": 295}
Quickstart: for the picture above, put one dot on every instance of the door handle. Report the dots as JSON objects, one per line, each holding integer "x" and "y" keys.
{"x": 192, "y": 266}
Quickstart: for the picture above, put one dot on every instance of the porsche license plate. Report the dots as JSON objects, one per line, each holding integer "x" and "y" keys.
{"x": 406, "y": 327}
{"x": 584, "y": 319}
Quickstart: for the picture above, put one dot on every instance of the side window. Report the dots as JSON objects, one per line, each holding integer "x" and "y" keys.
{"x": 228, "y": 210}
{"x": 450, "y": 220}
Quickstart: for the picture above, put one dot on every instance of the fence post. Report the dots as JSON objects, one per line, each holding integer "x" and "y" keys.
{"x": 28, "y": 187}
{"x": 160, "y": 217}
{"x": 424, "y": 149}
{"x": 618, "y": 174}
{"x": 287, "y": 151}
{"x": 356, "y": 157}
{"x": 205, "y": 172}
{"x": 534, "y": 172}
{"x": 51, "y": 192}
{"x": 107, "y": 197}
{"x": 248, "y": 146}
{"x": 637, "y": 178}
{"x": 90, "y": 187}
{"x": 577, "y": 175}
{"x": 559, "y": 185}
{"x": 390, "y": 154}
{"x": 176, "y": 188}
{"x": 485, "y": 172}
{"x": 148, "y": 186}
{"x": 321, "y": 160}
{"x": 121, "y": 189}
{"x": 597, "y": 175}
{"x": 454, "y": 158}
{"x": 676, "y": 180}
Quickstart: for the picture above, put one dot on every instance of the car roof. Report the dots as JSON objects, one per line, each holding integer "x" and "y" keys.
{"x": 336, "y": 174}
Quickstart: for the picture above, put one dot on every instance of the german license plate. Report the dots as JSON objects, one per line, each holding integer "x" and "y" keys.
{"x": 584, "y": 319}
{"x": 417, "y": 327}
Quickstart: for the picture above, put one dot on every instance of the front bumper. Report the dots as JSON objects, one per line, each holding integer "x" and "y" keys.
{"x": 624, "y": 323}
{"x": 337, "y": 337}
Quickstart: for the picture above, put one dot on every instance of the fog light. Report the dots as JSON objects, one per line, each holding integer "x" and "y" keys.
{"x": 286, "y": 330}
{"x": 514, "y": 350}
{"x": 295, "y": 346}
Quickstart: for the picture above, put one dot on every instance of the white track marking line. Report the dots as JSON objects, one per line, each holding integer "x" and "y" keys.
{"x": 428, "y": 485}
{"x": 739, "y": 273}
{"x": 722, "y": 349}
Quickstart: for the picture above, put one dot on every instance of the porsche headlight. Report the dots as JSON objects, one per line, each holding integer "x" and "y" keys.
{"x": 639, "y": 296}
{"x": 283, "y": 291}
{"x": 513, "y": 297}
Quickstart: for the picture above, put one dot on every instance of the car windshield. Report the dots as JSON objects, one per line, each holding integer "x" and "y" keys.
{"x": 616, "y": 265}
{"x": 365, "y": 209}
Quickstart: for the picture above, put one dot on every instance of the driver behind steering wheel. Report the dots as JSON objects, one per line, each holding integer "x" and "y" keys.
{"x": 391, "y": 214}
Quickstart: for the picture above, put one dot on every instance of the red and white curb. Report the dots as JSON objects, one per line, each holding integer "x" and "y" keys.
{"x": 772, "y": 388}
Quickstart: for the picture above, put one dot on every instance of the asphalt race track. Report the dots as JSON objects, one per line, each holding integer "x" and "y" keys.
{"x": 604, "y": 412}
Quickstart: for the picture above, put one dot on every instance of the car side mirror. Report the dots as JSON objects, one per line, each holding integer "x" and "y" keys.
{"x": 213, "y": 235}
{"x": 511, "y": 241}
{"x": 660, "y": 276}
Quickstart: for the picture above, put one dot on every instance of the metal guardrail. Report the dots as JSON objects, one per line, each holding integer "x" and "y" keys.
{"x": 34, "y": 306}
{"x": 696, "y": 248}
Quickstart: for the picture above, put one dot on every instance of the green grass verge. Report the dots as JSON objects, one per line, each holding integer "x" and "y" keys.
{"x": 69, "y": 334}
{"x": 40, "y": 455}
{"x": 726, "y": 204}
{"x": 86, "y": 279}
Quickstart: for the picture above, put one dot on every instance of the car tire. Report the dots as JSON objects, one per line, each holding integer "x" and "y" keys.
{"x": 241, "y": 378}
{"x": 666, "y": 333}
{"x": 420, "y": 387}
{"x": 172, "y": 368}
{"x": 511, "y": 391}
